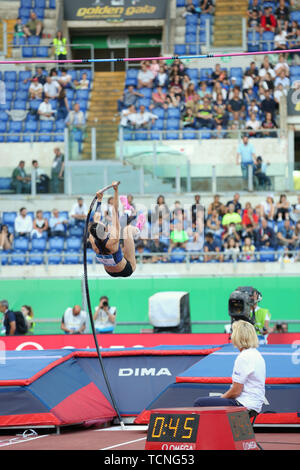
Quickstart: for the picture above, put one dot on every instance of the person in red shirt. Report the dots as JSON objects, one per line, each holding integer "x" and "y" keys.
{"x": 268, "y": 21}
{"x": 249, "y": 217}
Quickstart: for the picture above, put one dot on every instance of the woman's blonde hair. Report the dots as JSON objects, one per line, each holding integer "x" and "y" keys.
{"x": 244, "y": 335}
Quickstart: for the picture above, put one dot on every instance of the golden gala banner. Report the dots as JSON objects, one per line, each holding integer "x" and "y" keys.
{"x": 114, "y": 10}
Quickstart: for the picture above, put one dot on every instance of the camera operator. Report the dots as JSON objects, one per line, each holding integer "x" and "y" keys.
{"x": 105, "y": 316}
{"x": 262, "y": 319}
{"x": 280, "y": 328}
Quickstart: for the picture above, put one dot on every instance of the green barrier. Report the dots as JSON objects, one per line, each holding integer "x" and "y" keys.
{"x": 208, "y": 298}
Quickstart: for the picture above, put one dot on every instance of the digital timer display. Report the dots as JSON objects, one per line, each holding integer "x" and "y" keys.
{"x": 173, "y": 427}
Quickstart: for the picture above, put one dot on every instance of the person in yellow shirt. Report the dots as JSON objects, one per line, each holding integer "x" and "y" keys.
{"x": 59, "y": 44}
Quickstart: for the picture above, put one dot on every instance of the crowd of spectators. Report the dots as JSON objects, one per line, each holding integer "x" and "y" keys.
{"x": 219, "y": 101}
{"x": 275, "y": 23}
{"x": 223, "y": 231}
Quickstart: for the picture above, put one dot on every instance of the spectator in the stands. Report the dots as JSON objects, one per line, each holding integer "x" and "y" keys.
{"x": 188, "y": 119}
{"x": 248, "y": 249}
{"x": 253, "y": 125}
{"x": 18, "y": 30}
{"x": 57, "y": 224}
{"x": 254, "y": 5}
{"x": 204, "y": 115}
{"x": 190, "y": 94}
{"x": 159, "y": 98}
{"x": 145, "y": 119}
{"x": 285, "y": 235}
{"x": 282, "y": 65}
{"x": 296, "y": 210}
{"x": 214, "y": 223}
{"x": 191, "y": 8}
{"x": 231, "y": 249}
{"x": 280, "y": 39}
{"x": 160, "y": 209}
{"x": 128, "y": 117}
{"x": 23, "y": 223}
{"x": 254, "y": 20}
{"x": 210, "y": 246}
{"x": 282, "y": 208}
{"x": 265, "y": 234}
{"x": 267, "y": 208}
{"x": 51, "y": 88}
{"x": 197, "y": 208}
{"x": 162, "y": 78}
{"x": 84, "y": 83}
{"x": 282, "y": 14}
{"x": 268, "y": 104}
{"x": 268, "y": 21}
{"x": 63, "y": 107}
{"x": 266, "y": 67}
{"x": 57, "y": 171}
{"x": 40, "y": 177}
{"x": 34, "y": 26}
{"x": 65, "y": 79}
{"x": 207, "y": 7}
{"x": 76, "y": 118}
{"x": 59, "y": 45}
{"x": 40, "y": 225}
{"x": 269, "y": 123}
{"x": 6, "y": 238}
{"x": 261, "y": 180}
{"x": 236, "y": 202}
{"x": 250, "y": 217}
{"x": 203, "y": 91}
{"x": 78, "y": 212}
{"x": 145, "y": 77}
{"x": 245, "y": 157}
{"x": 278, "y": 93}
{"x": 35, "y": 90}
{"x": 217, "y": 205}
{"x": 292, "y": 33}
{"x": 282, "y": 79}
{"x": 218, "y": 75}
{"x": 130, "y": 98}
{"x": 236, "y": 105}
{"x": 45, "y": 111}
{"x": 231, "y": 217}
{"x": 20, "y": 180}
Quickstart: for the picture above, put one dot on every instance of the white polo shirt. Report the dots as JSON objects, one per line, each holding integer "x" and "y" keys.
{"x": 250, "y": 370}
{"x": 73, "y": 322}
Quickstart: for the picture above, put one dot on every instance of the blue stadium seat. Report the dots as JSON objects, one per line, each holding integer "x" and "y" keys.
{"x": 27, "y": 51}
{"x": 56, "y": 243}
{"x": 266, "y": 255}
{"x": 31, "y": 126}
{"x": 42, "y": 51}
{"x": 60, "y": 125}
{"x": 55, "y": 257}
{"x": 35, "y": 258}
{"x": 40, "y": 4}
{"x": 70, "y": 94}
{"x": 73, "y": 243}
{"x": 76, "y": 231}
{"x": 5, "y": 183}
{"x": 10, "y": 76}
{"x": 12, "y": 137}
{"x": 18, "y": 258}
{"x": 160, "y": 112}
{"x": 52, "y": 4}
{"x": 189, "y": 134}
{"x": 82, "y": 95}
{"x": 6, "y": 106}
{"x": 190, "y": 37}
{"x": 3, "y": 116}
{"x": 173, "y": 113}
{"x": 180, "y": 49}
{"x": 141, "y": 135}
{"x": 295, "y": 16}
{"x": 43, "y": 138}
{"x": 205, "y": 73}
{"x": 19, "y": 41}
{"x": 3, "y": 126}
{"x": 21, "y": 244}
{"x": 23, "y": 86}
{"x": 39, "y": 244}
{"x": 20, "y": 104}
{"x": 172, "y": 124}
{"x": 40, "y": 13}
{"x": 64, "y": 215}
{"x": 172, "y": 135}
{"x": 46, "y": 126}
{"x": 26, "y": 4}
{"x": 191, "y": 19}
{"x": 193, "y": 74}
{"x": 236, "y": 72}
{"x": 71, "y": 257}
{"x": 178, "y": 255}
{"x": 33, "y": 41}
{"x": 8, "y": 218}
{"x": 21, "y": 95}
{"x": 15, "y": 126}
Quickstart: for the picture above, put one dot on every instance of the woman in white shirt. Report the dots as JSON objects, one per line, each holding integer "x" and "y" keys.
{"x": 249, "y": 372}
